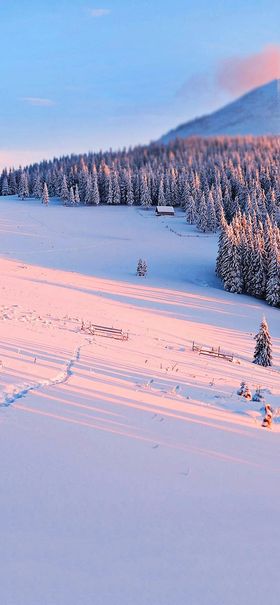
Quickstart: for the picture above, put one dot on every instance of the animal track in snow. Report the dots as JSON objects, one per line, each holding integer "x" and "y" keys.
{"x": 60, "y": 378}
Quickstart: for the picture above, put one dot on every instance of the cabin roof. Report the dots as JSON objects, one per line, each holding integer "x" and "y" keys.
{"x": 165, "y": 208}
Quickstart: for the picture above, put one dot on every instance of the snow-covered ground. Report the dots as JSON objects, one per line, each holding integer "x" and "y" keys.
{"x": 131, "y": 471}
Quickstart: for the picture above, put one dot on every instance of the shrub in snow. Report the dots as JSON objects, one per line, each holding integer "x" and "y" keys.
{"x": 258, "y": 396}
{"x": 247, "y": 393}
{"x": 241, "y": 388}
{"x": 267, "y": 421}
{"x": 141, "y": 268}
{"x": 244, "y": 391}
{"x": 263, "y": 349}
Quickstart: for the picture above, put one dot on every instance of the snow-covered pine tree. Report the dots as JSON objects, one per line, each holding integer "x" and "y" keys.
{"x": 190, "y": 210}
{"x": 145, "y": 198}
{"x": 116, "y": 193}
{"x": 202, "y": 218}
{"x": 233, "y": 279}
{"x": 77, "y": 195}
{"x": 211, "y": 212}
{"x": 273, "y": 281}
{"x": 5, "y": 186}
{"x": 161, "y": 196}
{"x": 64, "y": 191}
{"x": 89, "y": 192}
{"x": 144, "y": 268}
{"x": 129, "y": 190}
{"x": 95, "y": 190}
{"x": 109, "y": 193}
{"x": 23, "y": 190}
{"x": 37, "y": 189}
{"x": 141, "y": 268}
{"x": 71, "y": 197}
{"x": 263, "y": 349}
{"x": 45, "y": 195}
{"x": 259, "y": 277}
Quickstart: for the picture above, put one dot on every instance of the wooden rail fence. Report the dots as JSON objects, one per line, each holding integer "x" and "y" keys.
{"x": 212, "y": 351}
{"x": 105, "y": 331}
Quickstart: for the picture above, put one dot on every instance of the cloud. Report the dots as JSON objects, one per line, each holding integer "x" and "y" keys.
{"x": 229, "y": 79}
{"x": 38, "y": 101}
{"x": 237, "y": 75}
{"x": 99, "y": 12}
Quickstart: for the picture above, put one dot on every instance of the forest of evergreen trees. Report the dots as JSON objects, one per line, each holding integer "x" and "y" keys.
{"x": 249, "y": 257}
{"x": 227, "y": 183}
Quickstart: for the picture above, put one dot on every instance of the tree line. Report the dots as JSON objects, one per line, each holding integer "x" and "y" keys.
{"x": 232, "y": 184}
{"x": 202, "y": 176}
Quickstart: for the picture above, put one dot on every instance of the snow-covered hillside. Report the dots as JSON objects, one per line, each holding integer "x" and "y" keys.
{"x": 255, "y": 113}
{"x": 131, "y": 471}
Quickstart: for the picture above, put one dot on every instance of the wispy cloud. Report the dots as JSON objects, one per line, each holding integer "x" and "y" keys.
{"x": 99, "y": 12}
{"x": 236, "y": 75}
{"x": 38, "y": 101}
{"x": 233, "y": 76}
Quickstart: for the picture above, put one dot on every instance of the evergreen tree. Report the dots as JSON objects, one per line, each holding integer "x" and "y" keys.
{"x": 37, "y": 189}
{"x": 89, "y": 191}
{"x": 116, "y": 194}
{"x": 77, "y": 195}
{"x": 161, "y": 196}
{"x": 23, "y": 191}
{"x": 141, "y": 268}
{"x": 273, "y": 281}
{"x": 202, "y": 219}
{"x": 64, "y": 191}
{"x": 95, "y": 190}
{"x": 5, "y": 186}
{"x": 71, "y": 197}
{"x": 145, "y": 198}
{"x": 45, "y": 195}
{"x": 129, "y": 190}
{"x": 263, "y": 349}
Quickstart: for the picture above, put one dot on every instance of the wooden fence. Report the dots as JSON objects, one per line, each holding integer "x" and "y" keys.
{"x": 212, "y": 351}
{"x": 105, "y": 331}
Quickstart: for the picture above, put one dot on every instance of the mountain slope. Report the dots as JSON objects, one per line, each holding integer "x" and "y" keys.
{"x": 256, "y": 113}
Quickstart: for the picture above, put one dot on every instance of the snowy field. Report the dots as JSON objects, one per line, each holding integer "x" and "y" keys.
{"x": 132, "y": 472}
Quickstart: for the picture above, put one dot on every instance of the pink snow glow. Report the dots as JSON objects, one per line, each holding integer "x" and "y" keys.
{"x": 239, "y": 74}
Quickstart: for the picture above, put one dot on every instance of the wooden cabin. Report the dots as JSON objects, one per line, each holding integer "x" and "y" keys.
{"x": 165, "y": 211}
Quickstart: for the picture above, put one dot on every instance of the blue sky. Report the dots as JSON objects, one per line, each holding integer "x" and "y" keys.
{"x": 79, "y": 75}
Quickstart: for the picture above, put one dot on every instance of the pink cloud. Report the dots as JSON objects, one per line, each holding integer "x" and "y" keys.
{"x": 240, "y": 74}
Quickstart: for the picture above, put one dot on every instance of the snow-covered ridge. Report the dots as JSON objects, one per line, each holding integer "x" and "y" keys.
{"x": 255, "y": 113}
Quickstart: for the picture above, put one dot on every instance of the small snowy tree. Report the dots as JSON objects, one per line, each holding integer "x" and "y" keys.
{"x": 242, "y": 388}
{"x": 258, "y": 396}
{"x": 141, "y": 268}
{"x": 45, "y": 195}
{"x": 144, "y": 268}
{"x": 263, "y": 349}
